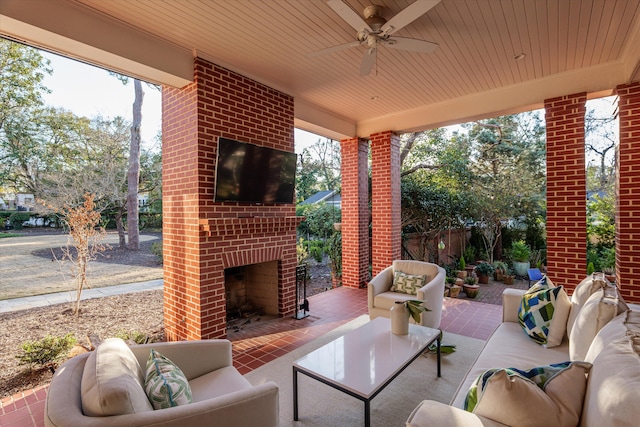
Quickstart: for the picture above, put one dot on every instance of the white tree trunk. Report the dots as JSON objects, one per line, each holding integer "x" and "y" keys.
{"x": 134, "y": 169}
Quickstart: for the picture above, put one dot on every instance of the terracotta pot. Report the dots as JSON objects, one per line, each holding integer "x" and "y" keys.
{"x": 483, "y": 278}
{"x": 454, "y": 291}
{"x": 508, "y": 280}
{"x": 462, "y": 274}
{"x": 471, "y": 290}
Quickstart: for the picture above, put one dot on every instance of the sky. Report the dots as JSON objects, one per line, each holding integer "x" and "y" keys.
{"x": 89, "y": 91}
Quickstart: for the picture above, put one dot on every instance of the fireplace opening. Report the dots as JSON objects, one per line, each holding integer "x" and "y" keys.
{"x": 250, "y": 291}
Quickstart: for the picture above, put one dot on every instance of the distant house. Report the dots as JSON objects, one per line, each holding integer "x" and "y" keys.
{"x": 25, "y": 201}
{"x": 330, "y": 197}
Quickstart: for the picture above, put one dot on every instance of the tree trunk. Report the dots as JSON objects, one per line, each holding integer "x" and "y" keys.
{"x": 120, "y": 227}
{"x": 134, "y": 169}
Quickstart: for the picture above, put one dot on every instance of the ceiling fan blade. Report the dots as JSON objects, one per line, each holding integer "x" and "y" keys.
{"x": 408, "y": 15}
{"x": 332, "y": 49}
{"x": 368, "y": 61}
{"x": 349, "y": 16}
{"x": 413, "y": 45}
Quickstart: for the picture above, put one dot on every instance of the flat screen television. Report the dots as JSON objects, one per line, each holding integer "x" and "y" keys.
{"x": 253, "y": 174}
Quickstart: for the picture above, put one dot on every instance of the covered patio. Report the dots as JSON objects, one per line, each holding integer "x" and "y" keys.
{"x": 242, "y": 70}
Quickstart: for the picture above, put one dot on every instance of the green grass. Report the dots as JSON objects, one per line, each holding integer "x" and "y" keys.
{"x": 9, "y": 235}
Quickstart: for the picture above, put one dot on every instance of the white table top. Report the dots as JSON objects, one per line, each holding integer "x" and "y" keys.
{"x": 363, "y": 359}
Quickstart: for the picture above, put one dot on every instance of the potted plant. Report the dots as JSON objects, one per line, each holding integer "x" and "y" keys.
{"x": 453, "y": 286}
{"x": 500, "y": 269}
{"x": 400, "y": 313}
{"x": 470, "y": 287}
{"x": 462, "y": 264}
{"x": 508, "y": 277}
{"x": 484, "y": 270}
{"x": 520, "y": 252}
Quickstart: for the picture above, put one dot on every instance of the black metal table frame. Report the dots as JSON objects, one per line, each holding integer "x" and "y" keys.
{"x": 367, "y": 401}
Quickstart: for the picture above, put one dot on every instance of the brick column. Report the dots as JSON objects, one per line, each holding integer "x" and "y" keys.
{"x": 566, "y": 190}
{"x": 385, "y": 200}
{"x": 628, "y": 193}
{"x": 355, "y": 212}
{"x": 202, "y": 237}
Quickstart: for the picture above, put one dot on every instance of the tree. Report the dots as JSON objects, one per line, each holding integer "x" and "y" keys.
{"x": 86, "y": 238}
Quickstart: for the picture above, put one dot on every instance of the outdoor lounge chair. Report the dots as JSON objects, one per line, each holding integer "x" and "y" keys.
{"x": 534, "y": 275}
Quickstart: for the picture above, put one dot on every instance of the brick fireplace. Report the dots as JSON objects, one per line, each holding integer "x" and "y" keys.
{"x": 201, "y": 238}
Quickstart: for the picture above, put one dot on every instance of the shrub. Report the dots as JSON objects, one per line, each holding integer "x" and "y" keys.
{"x": 136, "y": 336}
{"x": 301, "y": 251}
{"x": 520, "y": 251}
{"x": 156, "y": 249}
{"x": 17, "y": 218}
{"x": 316, "y": 249}
{"x": 47, "y": 352}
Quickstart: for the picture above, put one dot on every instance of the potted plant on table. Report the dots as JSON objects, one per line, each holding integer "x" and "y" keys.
{"x": 462, "y": 264}
{"x": 453, "y": 286}
{"x": 484, "y": 270}
{"x": 400, "y": 313}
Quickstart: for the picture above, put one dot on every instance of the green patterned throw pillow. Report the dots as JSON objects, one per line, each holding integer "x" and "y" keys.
{"x": 408, "y": 283}
{"x": 165, "y": 384}
{"x": 543, "y": 313}
{"x": 545, "y": 395}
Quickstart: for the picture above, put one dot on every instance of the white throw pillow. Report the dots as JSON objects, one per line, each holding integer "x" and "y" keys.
{"x": 112, "y": 381}
{"x": 602, "y": 306}
{"x": 581, "y": 294}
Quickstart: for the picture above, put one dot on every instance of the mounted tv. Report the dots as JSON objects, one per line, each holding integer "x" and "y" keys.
{"x": 253, "y": 174}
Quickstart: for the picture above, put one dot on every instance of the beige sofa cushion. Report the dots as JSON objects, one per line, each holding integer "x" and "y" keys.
{"x": 599, "y": 309}
{"x": 112, "y": 381}
{"x": 613, "y": 390}
{"x": 509, "y": 398}
{"x": 581, "y": 294}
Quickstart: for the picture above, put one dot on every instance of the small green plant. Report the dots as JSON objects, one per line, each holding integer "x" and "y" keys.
{"x": 450, "y": 280}
{"x": 462, "y": 264}
{"x": 500, "y": 266}
{"x": 470, "y": 280}
{"x": 135, "y": 336}
{"x": 415, "y": 308}
{"x": 301, "y": 251}
{"x": 156, "y": 249}
{"x": 590, "y": 268}
{"x": 520, "y": 251}
{"x": 335, "y": 253}
{"x": 484, "y": 268}
{"x": 47, "y": 352}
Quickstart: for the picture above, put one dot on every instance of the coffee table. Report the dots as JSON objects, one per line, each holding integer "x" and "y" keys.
{"x": 364, "y": 361}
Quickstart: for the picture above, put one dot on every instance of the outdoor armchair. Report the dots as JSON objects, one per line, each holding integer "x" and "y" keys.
{"x": 381, "y": 298}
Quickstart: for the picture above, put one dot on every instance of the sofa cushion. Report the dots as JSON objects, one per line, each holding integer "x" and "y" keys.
{"x": 386, "y": 300}
{"x": 543, "y": 313}
{"x": 613, "y": 390}
{"x": 165, "y": 383}
{"x": 545, "y": 395}
{"x": 407, "y": 283}
{"x": 581, "y": 294}
{"x": 112, "y": 381}
{"x": 218, "y": 383}
{"x": 599, "y": 309}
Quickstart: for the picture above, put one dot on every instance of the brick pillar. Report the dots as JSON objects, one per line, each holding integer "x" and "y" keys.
{"x": 628, "y": 193}
{"x": 355, "y": 212}
{"x": 385, "y": 200}
{"x": 202, "y": 237}
{"x": 566, "y": 190}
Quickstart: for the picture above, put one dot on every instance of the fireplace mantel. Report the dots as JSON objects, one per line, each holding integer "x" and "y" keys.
{"x": 249, "y": 225}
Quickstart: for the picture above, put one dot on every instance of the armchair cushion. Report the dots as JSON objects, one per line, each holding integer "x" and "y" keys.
{"x": 408, "y": 283}
{"x": 165, "y": 384}
{"x": 112, "y": 381}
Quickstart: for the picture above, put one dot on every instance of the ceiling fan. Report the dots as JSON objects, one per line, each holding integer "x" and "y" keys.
{"x": 374, "y": 31}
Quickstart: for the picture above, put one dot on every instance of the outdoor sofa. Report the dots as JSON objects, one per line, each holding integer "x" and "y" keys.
{"x": 594, "y": 326}
{"x": 382, "y": 296}
{"x": 105, "y": 388}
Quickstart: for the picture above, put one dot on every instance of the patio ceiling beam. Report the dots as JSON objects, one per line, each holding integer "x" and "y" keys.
{"x": 64, "y": 28}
